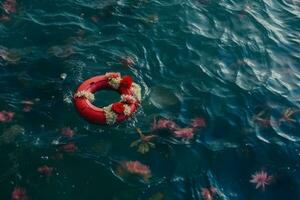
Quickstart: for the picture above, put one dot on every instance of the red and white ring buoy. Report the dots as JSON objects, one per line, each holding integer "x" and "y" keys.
{"x": 115, "y": 112}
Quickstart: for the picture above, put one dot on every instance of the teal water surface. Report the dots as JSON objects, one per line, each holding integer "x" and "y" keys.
{"x": 234, "y": 63}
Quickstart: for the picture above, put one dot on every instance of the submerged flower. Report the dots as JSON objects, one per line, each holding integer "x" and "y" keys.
{"x": 9, "y": 6}
{"x": 263, "y": 120}
{"x": 45, "y": 170}
{"x": 186, "y": 133}
{"x": 144, "y": 144}
{"x": 164, "y": 124}
{"x": 10, "y": 56}
{"x": 67, "y": 131}
{"x": 261, "y": 179}
{"x": 127, "y": 61}
{"x": 61, "y": 51}
{"x": 6, "y": 116}
{"x": 152, "y": 19}
{"x": 137, "y": 168}
{"x": 286, "y": 115}
{"x": 57, "y": 156}
{"x": 19, "y": 194}
{"x": 198, "y": 122}
{"x": 4, "y": 18}
{"x": 209, "y": 193}
{"x": 95, "y": 18}
{"x": 69, "y": 148}
{"x": 9, "y": 135}
{"x": 27, "y": 105}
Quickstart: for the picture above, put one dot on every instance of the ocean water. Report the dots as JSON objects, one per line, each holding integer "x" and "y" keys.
{"x": 234, "y": 63}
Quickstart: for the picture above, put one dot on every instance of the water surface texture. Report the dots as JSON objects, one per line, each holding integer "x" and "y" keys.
{"x": 234, "y": 63}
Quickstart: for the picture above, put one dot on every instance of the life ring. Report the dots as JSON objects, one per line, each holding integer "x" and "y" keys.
{"x": 114, "y": 113}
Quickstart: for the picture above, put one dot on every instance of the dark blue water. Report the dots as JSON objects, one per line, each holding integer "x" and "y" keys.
{"x": 233, "y": 62}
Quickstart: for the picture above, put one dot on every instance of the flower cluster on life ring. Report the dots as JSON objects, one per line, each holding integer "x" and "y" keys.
{"x": 114, "y": 113}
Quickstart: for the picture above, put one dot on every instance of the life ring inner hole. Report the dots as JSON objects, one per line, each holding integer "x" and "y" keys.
{"x": 105, "y": 97}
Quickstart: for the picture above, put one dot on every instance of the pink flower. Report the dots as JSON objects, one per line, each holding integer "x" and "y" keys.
{"x": 6, "y": 116}
{"x": 135, "y": 167}
{"x": 164, "y": 124}
{"x": 198, "y": 122}
{"x": 68, "y": 132}
{"x": 208, "y": 193}
{"x": 45, "y": 170}
{"x": 261, "y": 179}
{"x": 186, "y": 133}
{"x": 19, "y": 194}
{"x": 69, "y": 148}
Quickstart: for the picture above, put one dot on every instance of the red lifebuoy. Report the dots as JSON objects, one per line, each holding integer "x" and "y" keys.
{"x": 114, "y": 113}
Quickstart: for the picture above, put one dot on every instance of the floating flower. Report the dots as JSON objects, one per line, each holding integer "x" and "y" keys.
{"x": 85, "y": 94}
{"x": 127, "y": 61}
{"x": 110, "y": 116}
{"x": 261, "y": 179}
{"x": 69, "y": 148}
{"x": 144, "y": 144}
{"x": 110, "y": 75}
{"x": 125, "y": 84}
{"x": 208, "y": 193}
{"x": 164, "y": 124}
{"x": 19, "y": 194}
{"x": 114, "y": 79}
{"x": 127, "y": 110}
{"x": 186, "y": 133}
{"x": 129, "y": 99}
{"x": 118, "y": 108}
{"x": 6, "y": 116}
{"x": 136, "y": 91}
{"x": 45, "y": 170}
{"x": 68, "y": 132}
{"x": 137, "y": 168}
{"x": 198, "y": 122}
